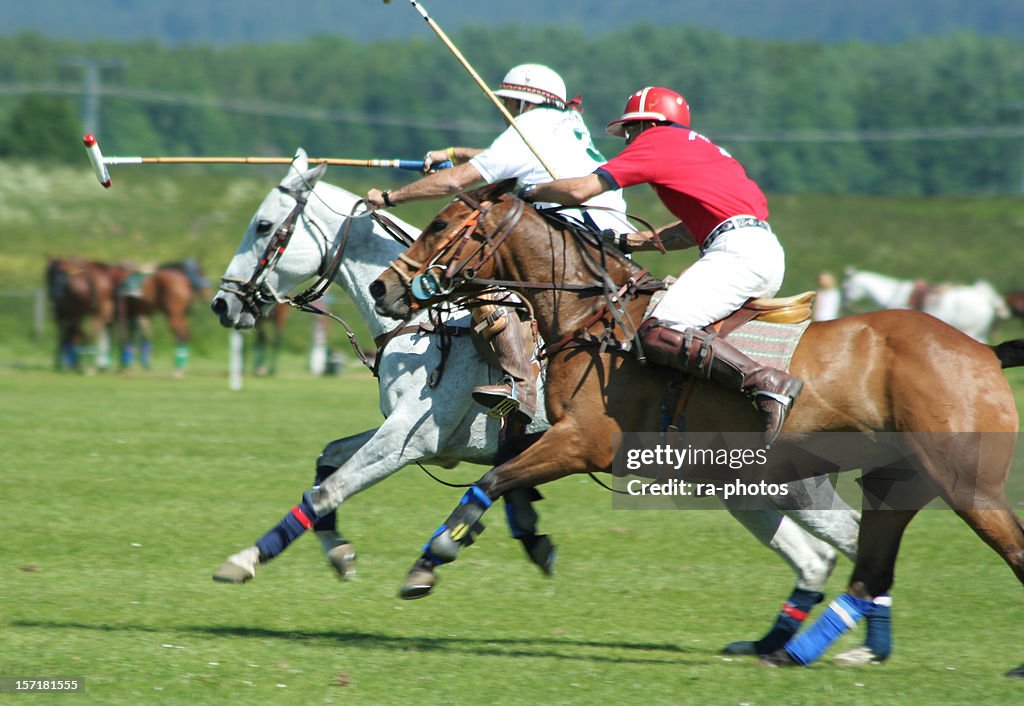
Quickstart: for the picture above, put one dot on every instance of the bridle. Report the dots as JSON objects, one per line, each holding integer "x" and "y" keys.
{"x": 255, "y": 292}
{"x": 432, "y": 280}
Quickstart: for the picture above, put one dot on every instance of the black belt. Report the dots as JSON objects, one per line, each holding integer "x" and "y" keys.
{"x": 732, "y": 224}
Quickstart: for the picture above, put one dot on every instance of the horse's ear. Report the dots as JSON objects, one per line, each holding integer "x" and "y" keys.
{"x": 304, "y": 181}
{"x": 300, "y": 162}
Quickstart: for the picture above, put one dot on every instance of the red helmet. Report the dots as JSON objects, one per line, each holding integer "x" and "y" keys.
{"x": 652, "y": 103}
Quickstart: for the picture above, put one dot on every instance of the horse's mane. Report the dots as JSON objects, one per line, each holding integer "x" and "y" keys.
{"x": 585, "y": 238}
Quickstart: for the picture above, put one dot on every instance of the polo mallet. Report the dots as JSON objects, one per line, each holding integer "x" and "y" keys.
{"x": 100, "y": 163}
{"x": 479, "y": 81}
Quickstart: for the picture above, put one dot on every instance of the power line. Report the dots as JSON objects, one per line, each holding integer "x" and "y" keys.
{"x": 258, "y": 108}
{"x": 303, "y": 112}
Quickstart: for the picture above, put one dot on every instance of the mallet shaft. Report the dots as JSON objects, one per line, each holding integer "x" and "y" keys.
{"x": 99, "y": 162}
{"x": 480, "y": 82}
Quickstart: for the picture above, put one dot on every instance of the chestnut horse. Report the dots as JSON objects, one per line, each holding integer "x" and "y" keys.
{"x": 169, "y": 290}
{"x": 877, "y": 376}
{"x": 268, "y": 335}
{"x": 81, "y": 293}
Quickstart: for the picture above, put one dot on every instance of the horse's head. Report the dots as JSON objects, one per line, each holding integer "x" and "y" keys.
{"x": 267, "y": 262}
{"x": 457, "y": 247}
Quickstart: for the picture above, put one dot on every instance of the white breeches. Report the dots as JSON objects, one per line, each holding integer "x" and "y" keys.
{"x": 740, "y": 264}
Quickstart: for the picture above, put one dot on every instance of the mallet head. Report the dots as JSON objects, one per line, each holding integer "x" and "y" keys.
{"x": 99, "y": 167}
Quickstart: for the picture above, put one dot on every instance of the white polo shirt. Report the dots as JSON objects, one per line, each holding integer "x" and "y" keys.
{"x": 563, "y": 140}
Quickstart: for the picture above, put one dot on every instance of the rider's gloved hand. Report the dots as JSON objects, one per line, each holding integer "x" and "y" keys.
{"x": 435, "y": 160}
{"x": 618, "y": 240}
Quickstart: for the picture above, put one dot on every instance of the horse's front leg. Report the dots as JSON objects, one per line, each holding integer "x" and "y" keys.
{"x": 548, "y": 459}
{"x": 377, "y": 454}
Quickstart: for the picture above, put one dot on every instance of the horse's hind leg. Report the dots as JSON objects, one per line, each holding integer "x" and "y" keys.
{"x": 892, "y": 497}
{"x": 340, "y": 552}
{"x": 1002, "y": 530}
{"x": 811, "y": 559}
{"x": 179, "y": 327}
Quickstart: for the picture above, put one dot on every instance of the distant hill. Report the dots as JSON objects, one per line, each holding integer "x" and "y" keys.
{"x": 260, "y": 21}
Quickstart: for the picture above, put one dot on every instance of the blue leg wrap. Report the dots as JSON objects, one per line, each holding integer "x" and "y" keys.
{"x": 879, "y": 622}
{"x": 460, "y": 529}
{"x": 841, "y": 615}
{"x": 291, "y": 527}
{"x": 127, "y": 355}
{"x": 69, "y": 355}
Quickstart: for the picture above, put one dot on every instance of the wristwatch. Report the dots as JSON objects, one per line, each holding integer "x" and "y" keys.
{"x": 386, "y": 195}
{"x": 526, "y": 192}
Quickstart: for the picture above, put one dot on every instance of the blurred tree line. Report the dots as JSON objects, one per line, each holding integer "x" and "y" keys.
{"x": 939, "y": 115}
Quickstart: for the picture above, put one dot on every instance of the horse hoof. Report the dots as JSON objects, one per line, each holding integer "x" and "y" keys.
{"x": 343, "y": 560}
{"x": 232, "y": 573}
{"x": 238, "y": 568}
{"x": 541, "y": 551}
{"x": 741, "y": 647}
{"x": 858, "y": 656}
{"x": 1017, "y": 673}
{"x": 778, "y": 658}
{"x": 419, "y": 582}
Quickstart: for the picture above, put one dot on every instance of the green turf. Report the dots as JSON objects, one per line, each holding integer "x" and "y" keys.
{"x": 121, "y": 495}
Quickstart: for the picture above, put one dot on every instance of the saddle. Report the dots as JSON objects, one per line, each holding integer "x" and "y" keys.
{"x": 775, "y": 327}
{"x": 775, "y": 310}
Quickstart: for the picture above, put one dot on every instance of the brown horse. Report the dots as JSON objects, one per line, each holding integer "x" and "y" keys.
{"x": 1015, "y": 301}
{"x": 169, "y": 290}
{"x": 902, "y": 384}
{"x": 81, "y": 293}
{"x": 268, "y": 335}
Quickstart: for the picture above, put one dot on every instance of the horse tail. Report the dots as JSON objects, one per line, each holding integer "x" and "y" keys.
{"x": 1010, "y": 353}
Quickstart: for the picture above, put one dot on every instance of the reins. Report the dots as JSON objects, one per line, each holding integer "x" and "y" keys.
{"x": 424, "y": 286}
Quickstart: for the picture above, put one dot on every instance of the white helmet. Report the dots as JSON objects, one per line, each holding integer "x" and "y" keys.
{"x": 533, "y": 83}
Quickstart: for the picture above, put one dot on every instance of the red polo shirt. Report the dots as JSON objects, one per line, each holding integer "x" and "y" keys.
{"x": 699, "y": 182}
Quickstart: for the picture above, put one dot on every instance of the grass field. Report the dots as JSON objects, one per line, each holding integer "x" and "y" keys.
{"x": 121, "y": 495}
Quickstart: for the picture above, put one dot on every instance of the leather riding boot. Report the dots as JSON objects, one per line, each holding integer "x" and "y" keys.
{"x": 516, "y": 394}
{"x": 710, "y": 357}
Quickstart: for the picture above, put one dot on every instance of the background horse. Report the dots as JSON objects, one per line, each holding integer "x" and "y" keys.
{"x": 268, "y": 335}
{"x": 81, "y": 293}
{"x": 974, "y": 309}
{"x": 1015, "y": 302}
{"x": 425, "y": 389}
{"x": 169, "y": 290}
{"x": 927, "y": 409}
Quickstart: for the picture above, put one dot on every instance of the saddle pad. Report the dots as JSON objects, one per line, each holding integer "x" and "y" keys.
{"x": 768, "y": 343}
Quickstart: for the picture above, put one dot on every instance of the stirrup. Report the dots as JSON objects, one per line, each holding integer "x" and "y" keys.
{"x": 785, "y": 400}
{"x": 504, "y": 408}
